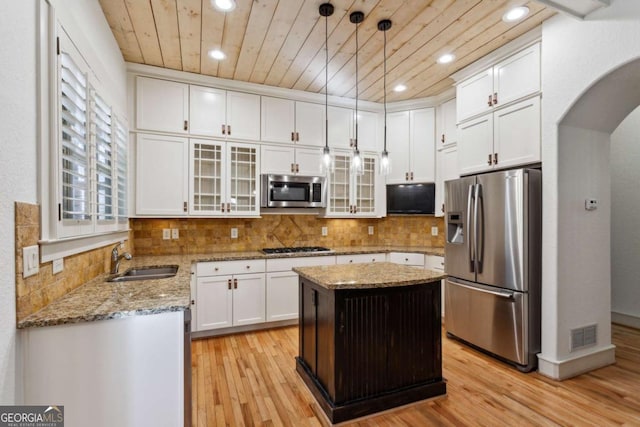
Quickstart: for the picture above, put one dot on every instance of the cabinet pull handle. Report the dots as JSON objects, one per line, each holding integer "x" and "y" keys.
{"x": 228, "y": 207}
{"x": 292, "y": 169}
{"x": 184, "y": 206}
{"x": 490, "y": 102}
{"x": 293, "y": 136}
{"x": 193, "y": 302}
{"x": 229, "y": 284}
{"x": 411, "y": 176}
{"x": 248, "y": 267}
{"x": 222, "y": 207}
{"x": 406, "y": 176}
{"x": 297, "y": 136}
{"x": 186, "y": 125}
{"x": 224, "y": 130}
{"x": 297, "y": 167}
{"x": 442, "y": 208}
{"x": 495, "y": 98}
{"x": 228, "y": 129}
{"x": 489, "y": 161}
{"x": 215, "y": 269}
{"x": 442, "y": 139}
{"x": 495, "y": 158}
{"x": 235, "y": 283}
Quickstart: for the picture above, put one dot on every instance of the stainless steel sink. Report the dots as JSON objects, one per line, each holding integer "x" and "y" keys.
{"x": 146, "y": 273}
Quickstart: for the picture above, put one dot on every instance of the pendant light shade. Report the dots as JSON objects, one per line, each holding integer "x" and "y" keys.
{"x": 385, "y": 161}
{"x": 357, "y": 165}
{"x": 327, "y": 164}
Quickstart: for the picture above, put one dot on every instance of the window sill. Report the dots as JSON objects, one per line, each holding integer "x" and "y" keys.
{"x": 60, "y": 248}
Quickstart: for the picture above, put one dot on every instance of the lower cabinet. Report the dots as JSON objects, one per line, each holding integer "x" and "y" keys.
{"x": 360, "y": 258}
{"x": 435, "y": 262}
{"x": 407, "y": 258}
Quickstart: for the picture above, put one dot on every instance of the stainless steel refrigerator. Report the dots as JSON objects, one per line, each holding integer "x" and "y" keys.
{"x": 493, "y": 260}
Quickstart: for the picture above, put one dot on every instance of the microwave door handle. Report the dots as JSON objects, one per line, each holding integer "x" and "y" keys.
{"x": 479, "y": 227}
{"x": 470, "y": 240}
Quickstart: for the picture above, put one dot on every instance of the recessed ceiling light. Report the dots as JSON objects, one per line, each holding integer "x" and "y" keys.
{"x": 515, "y": 14}
{"x": 400, "y": 88}
{"x": 446, "y": 58}
{"x": 217, "y": 54}
{"x": 224, "y": 5}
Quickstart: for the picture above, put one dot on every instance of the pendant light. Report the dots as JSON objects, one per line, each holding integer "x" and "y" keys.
{"x": 385, "y": 162}
{"x": 357, "y": 165}
{"x": 326, "y": 165}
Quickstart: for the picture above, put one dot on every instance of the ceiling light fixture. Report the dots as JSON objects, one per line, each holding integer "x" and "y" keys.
{"x": 446, "y": 58}
{"x": 217, "y": 54}
{"x": 224, "y": 5}
{"x": 515, "y": 14}
{"x": 357, "y": 166}
{"x": 326, "y": 10}
{"x": 385, "y": 162}
{"x": 397, "y": 88}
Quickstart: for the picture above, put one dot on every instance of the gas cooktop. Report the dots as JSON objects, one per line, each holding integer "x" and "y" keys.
{"x": 295, "y": 249}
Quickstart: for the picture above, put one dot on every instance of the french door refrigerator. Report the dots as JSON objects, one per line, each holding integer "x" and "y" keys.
{"x": 493, "y": 260}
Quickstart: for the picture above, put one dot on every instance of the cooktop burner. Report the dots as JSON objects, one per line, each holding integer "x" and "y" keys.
{"x": 295, "y": 249}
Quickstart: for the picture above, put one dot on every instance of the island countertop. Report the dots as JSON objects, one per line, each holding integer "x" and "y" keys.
{"x": 367, "y": 275}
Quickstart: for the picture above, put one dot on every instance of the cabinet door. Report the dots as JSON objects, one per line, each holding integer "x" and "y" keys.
{"x": 162, "y": 165}
{"x": 368, "y": 131}
{"x": 340, "y": 127}
{"x": 360, "y": 258}
{"x": 206, "y": 186}
{"x": 449, "y": 129}
{"x": 207, "y": 111}
{"x": 214, "y": 302}
{"x": 398, "y": 146}
{"x": 282, "y": 296}
{"x": 340, "y": 186}
{"x": 308, "y": 161}
{"x": 248, "y": 299}
{"x": 472, "y": 95}
{"x": 517, "y": 76}
{"x": 161, "y": 105}
{"x": 475, "y": 144}
{"x": 422, "y": 154}
{"x": 277, "y": 119}
{"x": 364, "y": 198}
{"x": 447, "y": 160}
{"x": 243, "y": 116}
{"x": 243, "y": 162}
{"x": 277, "y": 159}
{"x": 310, "y": 123}
{"x": 517, "y": 133}
{"x": 407, "y": 258}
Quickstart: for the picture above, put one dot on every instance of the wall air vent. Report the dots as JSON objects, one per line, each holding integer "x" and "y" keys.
{"x": 583, "y": 337}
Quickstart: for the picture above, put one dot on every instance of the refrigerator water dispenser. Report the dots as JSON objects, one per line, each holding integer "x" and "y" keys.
{"x": 455, "y": 232}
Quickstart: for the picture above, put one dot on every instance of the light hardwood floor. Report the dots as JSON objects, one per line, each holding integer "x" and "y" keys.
{"x": 250, "y": 379}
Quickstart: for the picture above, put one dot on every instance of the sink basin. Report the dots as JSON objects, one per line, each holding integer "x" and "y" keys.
{"x": 146, "y": 273}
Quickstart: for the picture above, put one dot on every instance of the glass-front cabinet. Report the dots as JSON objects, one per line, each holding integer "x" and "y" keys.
{"x": 351, "y": 194}
{"x": 224, "y": 178}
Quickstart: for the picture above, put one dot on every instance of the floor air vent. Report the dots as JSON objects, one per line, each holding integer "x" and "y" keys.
{"x": 583, "y": 337}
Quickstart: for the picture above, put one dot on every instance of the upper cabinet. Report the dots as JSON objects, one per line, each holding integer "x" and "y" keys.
{"x": 162, "y": 105}
{"x": 446, "y": 130}
{"x": 351, "y": 194}
{"x": 514, "y": 78}
{"x": 342, "y": 129}
{"x": 288, "y": 121}
{"x": 411, "y": 146}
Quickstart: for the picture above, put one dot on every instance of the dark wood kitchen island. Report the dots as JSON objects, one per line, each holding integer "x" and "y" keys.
{"x": 370, "y": 337}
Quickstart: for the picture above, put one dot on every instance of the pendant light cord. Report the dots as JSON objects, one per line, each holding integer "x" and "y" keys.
{"x": 357, "y": 24}
{"x": 384, "y": 84}
{"x": 326, "y": 81}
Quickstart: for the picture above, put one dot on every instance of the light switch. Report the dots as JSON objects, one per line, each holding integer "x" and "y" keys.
{"x": 434, "y": 231}
{"x": 30, "y": 260}
{"x": 325, "y": 231}
{"x": 58, "y": 265}
{"x": 175, "y": 233}
{"x": 371, "y": 230}
{"x": 166, "y": 234}
{"x": 234, "y": 233}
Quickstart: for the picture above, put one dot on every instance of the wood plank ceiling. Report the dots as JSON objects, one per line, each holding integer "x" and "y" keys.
{"x": 281, "y": 42}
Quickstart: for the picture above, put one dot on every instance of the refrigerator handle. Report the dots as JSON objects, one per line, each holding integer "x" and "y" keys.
{"x": 478, "y": 232}
{"x": 470, "y": 236}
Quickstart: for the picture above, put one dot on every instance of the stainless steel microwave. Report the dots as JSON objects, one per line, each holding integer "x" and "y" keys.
{"x": 293, "y": 191}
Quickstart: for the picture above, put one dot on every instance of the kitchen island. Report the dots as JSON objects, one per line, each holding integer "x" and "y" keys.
{"x": 370, "y": 337}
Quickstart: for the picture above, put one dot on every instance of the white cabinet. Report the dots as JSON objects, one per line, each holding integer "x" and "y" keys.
{"x": 508, "y": 137}
{"x": 351, "y": 194}
{"x": 411, "y": 146}
{"x": 223, "y": 178}
{"x": 368, "y": 131}
{"x": 407, "y": 258}
{"x": 287, "y": 121}
{"x": 161, "y": 175}
{"x": 162, "y": 105}
{"x": 446, "y": 169}
{"x": 361, "y": 258}
{"x": 514, "y": 78}
{"x": 229, "y": 294}
{"x": 282, "y": 285}
{"x": 285, "y": 160}
{"x": 342, "y": 129}
{"x": 446, "y": 129}
{"x": 435, "y": 262}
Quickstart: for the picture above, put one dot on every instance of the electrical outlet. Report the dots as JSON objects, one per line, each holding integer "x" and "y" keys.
{"x": 591, "y": 204}
{"x": 166, "y": 234}
{"x": 234, "y": 233}
{"x": 58, "y": 265}
{"x": 325, "y": 231}
{"x": 371, "y": 230}
{"x": 434, "y": 231}
{"x": 30, "y": 260}
{"x": 175, "y": 233}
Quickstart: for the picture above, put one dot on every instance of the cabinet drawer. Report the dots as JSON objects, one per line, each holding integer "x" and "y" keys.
{"x": 434, "y": 262}
{"x": 406, "y": 258}
{"x": 286, "y": 264}
{"x": 360, "y": 258}
{"x": 216, "y": 268}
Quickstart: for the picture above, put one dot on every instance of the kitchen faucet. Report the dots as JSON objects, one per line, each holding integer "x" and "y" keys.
{"x": 115, "y": 259}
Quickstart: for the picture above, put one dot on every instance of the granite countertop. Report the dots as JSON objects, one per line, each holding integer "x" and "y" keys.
{"x": 367, "y": 275}
{"x": 99, "y": 300}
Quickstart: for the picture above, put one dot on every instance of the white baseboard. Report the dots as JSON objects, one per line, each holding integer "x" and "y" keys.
{"x": 564, "y": 369}
{"x": 625, "y": 319}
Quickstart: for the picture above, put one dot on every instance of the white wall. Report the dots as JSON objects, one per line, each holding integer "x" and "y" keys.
{"x": 625, "y": 232}
{"x": 576, "y": 287}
